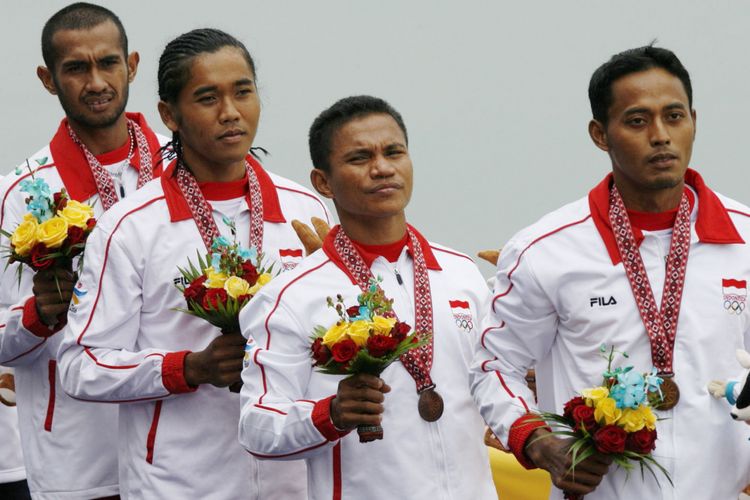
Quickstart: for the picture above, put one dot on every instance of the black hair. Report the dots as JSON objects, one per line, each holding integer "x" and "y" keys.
{"x": 175, "y": 61}
{"x": 338, "y": 115}
{"x": 625, "y": 63}
{"x": 77, "y": 16}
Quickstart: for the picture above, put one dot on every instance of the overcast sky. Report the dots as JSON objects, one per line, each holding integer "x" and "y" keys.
{"x": 493, "y": 93}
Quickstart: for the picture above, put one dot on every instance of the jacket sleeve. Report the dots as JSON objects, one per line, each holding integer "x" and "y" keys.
{"x": 518, "y": 329}
{"x": 98, "y": 357}
{"x": 276, "y": 422}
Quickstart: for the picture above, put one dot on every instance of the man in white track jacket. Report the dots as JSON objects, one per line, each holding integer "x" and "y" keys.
{"x": 126, "y": 342}
{"x": 563, "y": 288}
{"x": 289, "y": 410}
{"x": 69, "y": 446}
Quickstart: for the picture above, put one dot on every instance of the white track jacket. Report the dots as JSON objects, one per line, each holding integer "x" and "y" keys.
{"x": 69, "y": 446}
{"x": 126, "y": 343}
{"x": 562, "y": 291}
{"x": 285, "y": 401}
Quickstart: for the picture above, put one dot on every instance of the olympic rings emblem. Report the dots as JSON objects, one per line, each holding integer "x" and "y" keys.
{"x": 734, "y": 306}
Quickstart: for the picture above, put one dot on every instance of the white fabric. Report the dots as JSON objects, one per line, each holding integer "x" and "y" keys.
{"x": 128, "y": 320}
{"x": 416, "y": 459}
{"x": 547, "y": 314}
{"x": 11, "y": 456}
{"x": 76, "y": 458}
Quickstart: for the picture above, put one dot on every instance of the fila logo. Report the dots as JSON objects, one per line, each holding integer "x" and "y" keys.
{"x": 181, "y": 280}
{"x": 602, "y": 301}
{"x": 462, "y": 315}
{"x": 735, "y": 295}
{"x": 290, "y": 257}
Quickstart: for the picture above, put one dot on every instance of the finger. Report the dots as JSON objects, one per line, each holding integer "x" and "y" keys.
{"x": 309, "y": 239}
{"x": 351, "y": 420}
{"x": 230, "y": 366}
{"x": 365, "y": 380}
{"x": 582, "y": 477}
{"x": 53, "y": 311}
{"x": 53, "y": 297}
{"x": 321, "y": 227}
{"x": 490, "y": 256}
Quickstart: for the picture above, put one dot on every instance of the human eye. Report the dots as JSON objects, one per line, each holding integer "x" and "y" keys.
{"x": 636, "y": 121}
{"x": 675, "y": 115}
{"x": 75, "y": 68}
{"x": 207, "y": 99}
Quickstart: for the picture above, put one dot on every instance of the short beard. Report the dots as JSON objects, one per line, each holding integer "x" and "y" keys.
{"x": 100, "y": 122}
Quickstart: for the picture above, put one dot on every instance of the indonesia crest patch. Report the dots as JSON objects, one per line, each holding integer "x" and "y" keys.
{"x": 735, "y": 295}
{"x": 462, "y": 315}
{"x": 250, "y": 348}
{"x": 290, "y": 257}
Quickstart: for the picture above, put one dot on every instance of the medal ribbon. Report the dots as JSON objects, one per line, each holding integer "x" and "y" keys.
{"x": 661, "y": 324}
{"x": 203, "y": 213}
{"x": 418, "y": 362}
{"x": 105, "y": 187}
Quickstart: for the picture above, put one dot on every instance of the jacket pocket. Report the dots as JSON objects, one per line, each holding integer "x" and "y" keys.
{"x": 52, "y": 374}
{"x": 152, "y": 433}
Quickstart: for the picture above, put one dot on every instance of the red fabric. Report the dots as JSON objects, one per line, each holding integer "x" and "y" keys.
{"x": 225, "y": 190}
{"x": 73, "y": 168}
{"x": 391, "y": 251}
{"x": 330, "y": 250}
{"x": 178, "y": 207}
{"x": 712, "y": 226}
{"x": 649, "y": 221}
{"x": 151, "y": 438}
{"x": 337, "y": 472}
{"x": 116, "y": 155}
{"x": 52, "y": 370}
{"x": 321, "y": 417}
{"x": 519, "y": 434}
{"x": 173, "y": 373}
{"x": 32, "y": 322}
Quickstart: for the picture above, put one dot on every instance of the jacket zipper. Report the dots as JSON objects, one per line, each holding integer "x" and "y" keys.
{"x": 52, "y": 374}
{"x": 152, "y": 433}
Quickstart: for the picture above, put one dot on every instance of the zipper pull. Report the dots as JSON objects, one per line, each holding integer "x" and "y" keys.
{"x": 122, "y": 191}
{"x": 398, "y": 277}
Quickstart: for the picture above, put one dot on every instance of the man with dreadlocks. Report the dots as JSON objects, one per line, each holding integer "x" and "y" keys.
{"x": 126, "y": 343}
{"x": 99, "y": 154}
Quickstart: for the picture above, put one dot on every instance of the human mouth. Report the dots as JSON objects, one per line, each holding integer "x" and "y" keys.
{"x": 662, "y": 159}
{"x": 385, "y": 189}
{"x": 232, "y": 136}
{"x": 98, "y": 103}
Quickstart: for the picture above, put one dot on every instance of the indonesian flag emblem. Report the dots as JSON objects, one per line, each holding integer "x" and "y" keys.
{"x": 735, "y": 295}
{"x": 290, "y": 257}
{"x": 462, "y": 315}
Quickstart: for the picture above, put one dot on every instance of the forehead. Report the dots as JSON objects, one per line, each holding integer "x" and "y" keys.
{"x": 653, "y": 88}
{"x": 103, "y": 39}
{"x": 367, "y": 131}
{"x": 225, "y": 66}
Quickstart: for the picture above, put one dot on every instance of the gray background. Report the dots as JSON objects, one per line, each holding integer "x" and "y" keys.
{"x": 493, "y": 93}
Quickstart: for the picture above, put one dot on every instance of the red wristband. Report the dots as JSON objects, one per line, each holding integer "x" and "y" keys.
{"x": 32, "y": 322}
{"x": 321, "y": 417}
{"x": 173, "y": 373}
{"x": 520, "y": 431}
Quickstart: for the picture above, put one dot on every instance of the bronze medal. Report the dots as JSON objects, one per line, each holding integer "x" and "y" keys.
{"x": 670, "y": 394}
{"x": 430, "y": 405}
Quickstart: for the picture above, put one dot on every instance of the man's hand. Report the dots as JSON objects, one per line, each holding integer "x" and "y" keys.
{"x": 490, "y": 256}
{"x": 551, "y": 454}
{"x": 311, "y": 240}
{"x": 492, "y": 441}
{"x": 53, "y": 295}
{"x": 219, "y": 364}
{"x": 358, "y": 401}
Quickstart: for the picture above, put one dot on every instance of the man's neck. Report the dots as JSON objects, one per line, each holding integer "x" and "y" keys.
{"x": 102, "y": 139}
{"x": 656, "y": 201}
{"x": 205, "y": 171}
{"x": 381, "y": 231}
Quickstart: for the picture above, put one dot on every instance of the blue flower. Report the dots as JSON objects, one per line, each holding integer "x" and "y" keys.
{"x": 653, "y": 382}
{"x": 629, "y": 392}
{"x": 220, "y": 242}
{"x": 216, "y": 262}
{"x": 37, "y": 188}
{"x": 364, "y": 314}
{"x": 39, "y": 209}
{"x": 250, "y": 254}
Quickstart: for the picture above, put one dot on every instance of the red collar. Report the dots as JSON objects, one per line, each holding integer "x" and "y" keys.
{"x": 225, "y": 190}
{"x": 74, "y": 170}
{"x": 179, "y": 210}
{"x": 330, "y": 250}
{"x": 659, "y": 221}
{"x": 712, "y": 226}
{"x": 391, "y": 252}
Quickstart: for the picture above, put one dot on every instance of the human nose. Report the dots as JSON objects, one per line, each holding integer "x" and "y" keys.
{"x": 229, "y": 111}
{"x": 96, "y": 82}
{"x": 659, "y": 133}
{"x": 381, "y": 167}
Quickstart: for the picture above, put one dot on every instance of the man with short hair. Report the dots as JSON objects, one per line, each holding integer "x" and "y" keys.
{"x": 568, "y": 284}
{"x": 432, "y": 443}
{"x": 99, "y": 154}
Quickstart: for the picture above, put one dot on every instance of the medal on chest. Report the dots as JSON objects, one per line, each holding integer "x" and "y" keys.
{"x": 418, "y": 362}
{"x": 660, "y": 323}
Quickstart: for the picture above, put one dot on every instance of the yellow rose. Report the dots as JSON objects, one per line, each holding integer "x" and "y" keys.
{"x": 594, "y": 395}
{"x": 76, "y": 213}
{"x": 236, "y": 286}
{"x": 383, "y": 326}
{"x": 214, "y": 279}
{"x": 263, "y": 280}
{"x": 29, "y": 216}
{"x": 631, "y": 420}
{"x": 25, "y": 236}
{"x": 53, "y": 232}
{"x": 359, "y": 331}
{"x": 607, "y": 412}
{"x": 335, "y": 333}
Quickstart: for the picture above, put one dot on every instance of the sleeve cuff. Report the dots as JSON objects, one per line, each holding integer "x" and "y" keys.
{"x": 173, "y": 373}
{"x": 32, "y": 322}
{"x": 321, "y": 417}
{"x": 519, "y": 434}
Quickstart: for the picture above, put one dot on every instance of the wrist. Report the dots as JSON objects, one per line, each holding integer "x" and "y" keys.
{"x": 536, "y": 445}
{"x": 192, "y": 371}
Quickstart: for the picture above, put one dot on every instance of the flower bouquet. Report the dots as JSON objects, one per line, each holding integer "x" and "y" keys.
{"x": 52, "y": 232}
{"x": 614, "y": 419}
{"x": 366, "y": 339}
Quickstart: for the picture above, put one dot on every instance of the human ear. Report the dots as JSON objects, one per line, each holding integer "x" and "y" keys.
{"x": 598, "y": 134}
{"x": 45, "y": 76}
{"x": 319, "y": 180}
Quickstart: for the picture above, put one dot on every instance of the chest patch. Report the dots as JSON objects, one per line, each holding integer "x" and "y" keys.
{"x": 290, "y": 257}
{"x": 734, "y": 294}
{"x": 462, "y": 315}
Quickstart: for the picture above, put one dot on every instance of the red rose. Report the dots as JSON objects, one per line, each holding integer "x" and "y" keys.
{"x": 380, "y": 345}
{"x": 38, "y": 256}
{"x": 214, "y": 297}
{"x": 75, "y": 235}
{"x": 249, "y": 273}
{"x": 642, "y": 441}
{"x": 400, "y": 331}
{"x": 583, "y": 416}
{"x": 196, "y": 291}
{"x": 610, "y": 439}
{"x": 344, "y": 351}
{"x": 571, "y": 405}
{"x": 243, "y": 298}
{"x": 353, "y": 311}
{"x": 320, "y": 353}
{"x": 60, "y": 201}
{"x": 90, "y": 224}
